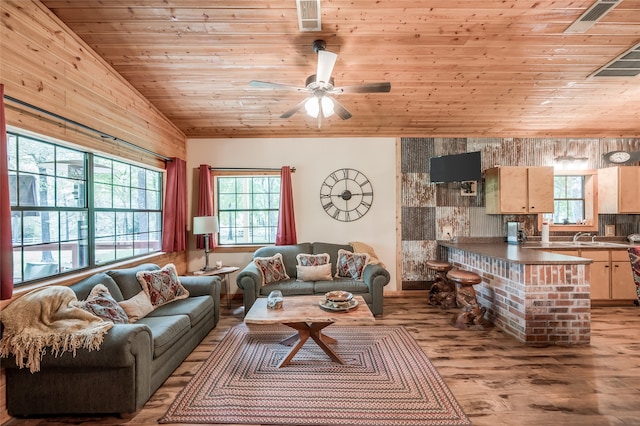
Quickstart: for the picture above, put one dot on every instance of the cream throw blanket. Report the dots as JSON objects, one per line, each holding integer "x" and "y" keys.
{"x": 46, "y": 318}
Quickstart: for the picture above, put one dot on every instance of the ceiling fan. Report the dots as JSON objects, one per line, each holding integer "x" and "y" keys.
{"x": 320, "y": 87}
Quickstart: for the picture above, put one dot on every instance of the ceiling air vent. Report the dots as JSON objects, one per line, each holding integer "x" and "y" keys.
{"x": 592, "y": 15}
{"x": 625, "y": 65}
{"x": 309, "y": 15}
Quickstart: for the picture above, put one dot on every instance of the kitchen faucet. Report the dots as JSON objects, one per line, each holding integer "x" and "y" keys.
{"x": 580, "y": 234}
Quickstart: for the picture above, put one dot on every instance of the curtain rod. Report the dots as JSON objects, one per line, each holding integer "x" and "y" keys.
{"x": 248, "y": 169}
{"x": 83, "y": 126}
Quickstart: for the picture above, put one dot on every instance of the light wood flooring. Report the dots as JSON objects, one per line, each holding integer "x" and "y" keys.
{"x": 496, "y": 379}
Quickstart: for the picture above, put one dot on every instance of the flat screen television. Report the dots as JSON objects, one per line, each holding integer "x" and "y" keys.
{"x": 456, "y": 168}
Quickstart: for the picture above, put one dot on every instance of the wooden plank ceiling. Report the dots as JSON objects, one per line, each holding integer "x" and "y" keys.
{"x": 457, "y": 67}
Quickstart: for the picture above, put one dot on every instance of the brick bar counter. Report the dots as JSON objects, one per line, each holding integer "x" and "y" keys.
{"x": 538, "y": 297}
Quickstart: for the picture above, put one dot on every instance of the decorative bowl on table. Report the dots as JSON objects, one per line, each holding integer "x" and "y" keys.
{"x": 338, "y": 300}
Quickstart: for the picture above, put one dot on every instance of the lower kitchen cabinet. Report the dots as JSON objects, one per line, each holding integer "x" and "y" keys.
{"x": 611, "y": 275}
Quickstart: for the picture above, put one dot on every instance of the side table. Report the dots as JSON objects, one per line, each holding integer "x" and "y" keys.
{"x": 224, "y": 275}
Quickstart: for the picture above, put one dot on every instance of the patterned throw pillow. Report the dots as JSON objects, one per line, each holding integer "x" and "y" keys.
{"x": 314, "y": 273}
{"x": 271, "y": 268}
{"x": 305, "y": 259}
{"x": 162, "y": 286}
{"x": 351, "y": 265}
{"x": 100, "y": 303}
{"x": 137, "y": 307}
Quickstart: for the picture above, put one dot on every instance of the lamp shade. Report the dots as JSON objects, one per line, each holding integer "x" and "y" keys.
{"x": 205, "y": 225}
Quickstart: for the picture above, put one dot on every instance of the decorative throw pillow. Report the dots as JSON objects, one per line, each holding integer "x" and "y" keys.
{"x": 271, "y": 268}
{"x": 351, "y": 265}
{"x": 100, "y": 303}
{"x": 137, "y": 307}
{"x": 314, "y": 273}
{"x": 162, "y": 286}
{"x": 305, "y": 259}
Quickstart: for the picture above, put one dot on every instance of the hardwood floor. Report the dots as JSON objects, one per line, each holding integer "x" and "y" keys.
{"x": 496, "y": 379}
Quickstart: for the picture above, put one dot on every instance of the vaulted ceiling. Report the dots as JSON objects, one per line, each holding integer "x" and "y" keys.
{"x": 457, "y": 67}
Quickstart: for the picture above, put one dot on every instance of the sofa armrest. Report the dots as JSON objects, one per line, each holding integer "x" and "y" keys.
{"x": 376, "y": 277}
{"x": 250, "y": 281}
{"x": 122, "y": 344}
{"x": 202, "y": 285}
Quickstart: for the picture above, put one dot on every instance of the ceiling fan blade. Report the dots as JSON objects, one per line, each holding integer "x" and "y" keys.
{"x": 326, "y": 61}
{"x": 364, "y": 88}
{"x": 340, "y": 110}
{"x": 268, "y": 85}
{"x": 295, "y": 109}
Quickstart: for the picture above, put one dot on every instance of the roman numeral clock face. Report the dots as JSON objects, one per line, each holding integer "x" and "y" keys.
{"x": 346, "y": 195}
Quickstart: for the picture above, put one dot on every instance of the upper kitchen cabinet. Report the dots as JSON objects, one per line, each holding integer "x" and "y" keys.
{"x": 619, "y": 189}
{"x": 519, "y": 190}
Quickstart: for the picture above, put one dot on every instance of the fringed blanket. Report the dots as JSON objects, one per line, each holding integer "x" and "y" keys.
{"x": 46, "y": 318}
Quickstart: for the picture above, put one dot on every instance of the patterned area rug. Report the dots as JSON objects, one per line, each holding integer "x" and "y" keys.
{"x": 387, "y": 381}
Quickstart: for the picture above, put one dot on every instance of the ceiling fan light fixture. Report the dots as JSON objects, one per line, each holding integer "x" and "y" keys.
{"x": 327, "y": 106}
{"x": 312, "y": 106}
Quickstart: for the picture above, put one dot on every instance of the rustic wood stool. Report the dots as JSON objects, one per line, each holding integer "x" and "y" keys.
{"x": 442, "y": 292}
{"x": 471, "y": 315}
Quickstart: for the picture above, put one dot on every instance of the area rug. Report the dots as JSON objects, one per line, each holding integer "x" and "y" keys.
{"x": 387, "y": 381}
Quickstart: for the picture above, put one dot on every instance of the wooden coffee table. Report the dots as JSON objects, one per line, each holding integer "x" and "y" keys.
{"x": 304, "y": 314}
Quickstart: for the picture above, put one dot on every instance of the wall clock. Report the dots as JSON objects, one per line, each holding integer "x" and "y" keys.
{"x": 617, "y": 157}
{"x": 346, "y": 195}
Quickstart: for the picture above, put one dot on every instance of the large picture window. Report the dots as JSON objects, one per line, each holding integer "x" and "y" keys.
{"x": 72, "y": 210}
{"x": 247, "y": 209}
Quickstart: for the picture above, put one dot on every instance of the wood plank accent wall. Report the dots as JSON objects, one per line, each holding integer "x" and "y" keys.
{"x": 427, "y": 207}
{"x": 47, "y": 65}
{"x": 44, "y": 64}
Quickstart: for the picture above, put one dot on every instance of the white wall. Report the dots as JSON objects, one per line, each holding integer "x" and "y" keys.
{"x": 313, "y": 159}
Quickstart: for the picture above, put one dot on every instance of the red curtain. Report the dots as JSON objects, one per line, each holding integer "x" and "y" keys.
{"x": 286, "y": 233}
{"x": 174, "y": 224}
{"x": 205, "y": 203}
{"x": 6, "y": 249}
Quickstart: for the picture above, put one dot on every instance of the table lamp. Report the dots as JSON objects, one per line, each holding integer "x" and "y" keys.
{"x": 205, "y": 225}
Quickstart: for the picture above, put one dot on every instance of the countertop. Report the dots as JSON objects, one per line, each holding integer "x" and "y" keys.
{"x": 516, "y": 253}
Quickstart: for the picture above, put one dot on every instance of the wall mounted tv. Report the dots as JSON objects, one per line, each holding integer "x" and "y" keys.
{"x": 456, "y": 168}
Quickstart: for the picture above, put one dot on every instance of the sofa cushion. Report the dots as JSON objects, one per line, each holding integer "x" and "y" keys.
{"x": 345, "y": 284}
{"x": 162, "y": 286}
{"x": 101, "y": 304}
{"x": 288, "y": 253}
{"x": 314, "y": 273}
{"x": 289, "y": 287}
{"x": 84, "y": 287}
{"x": 196, "y": 308}
{"x": 351, "y": 265}
{"x": 127, "y": 281}
{"x": 332, "y": 250}
{"x": 306, "y": 259}
{"x": 137, "y": 307}
{"x": 272, "y": 268}
{"x": 166, "y": 330}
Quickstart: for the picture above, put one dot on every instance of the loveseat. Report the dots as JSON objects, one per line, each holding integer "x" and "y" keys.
{"x": 374, "y": 276}
{"x": 133, "y": 360}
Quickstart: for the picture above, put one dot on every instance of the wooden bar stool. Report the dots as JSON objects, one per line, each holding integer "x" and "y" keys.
{"x": 442, "y": 292}
{"x": 471, "y": 315}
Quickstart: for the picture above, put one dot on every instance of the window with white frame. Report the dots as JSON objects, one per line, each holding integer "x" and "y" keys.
{"x": 247, "y": 208}
{"x": 72, "y": 209}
